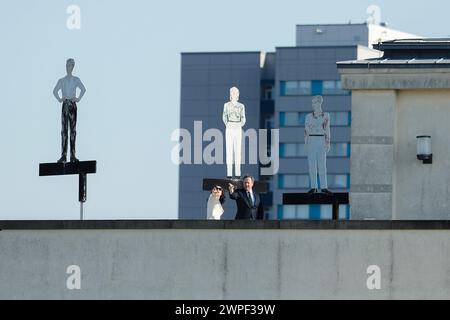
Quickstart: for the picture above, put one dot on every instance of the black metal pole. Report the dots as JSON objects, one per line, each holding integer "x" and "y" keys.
{"x": 82, "y": 187}
{"x": 335, "y": 208}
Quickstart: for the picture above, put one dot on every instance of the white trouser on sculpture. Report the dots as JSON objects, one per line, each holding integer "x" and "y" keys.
{"x": 316, "y": 149}
{"x": 233, "y": 141}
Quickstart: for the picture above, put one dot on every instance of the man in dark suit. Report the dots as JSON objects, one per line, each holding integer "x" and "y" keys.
{"x": 249, "y": 205}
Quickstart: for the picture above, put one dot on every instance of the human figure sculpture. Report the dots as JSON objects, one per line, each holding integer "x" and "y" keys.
{"x": 234, "y": 119}
{"x": 317, "y": 141}
{"x": 68, "y": 86}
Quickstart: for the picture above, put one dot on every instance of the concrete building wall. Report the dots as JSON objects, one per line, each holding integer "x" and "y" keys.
{"x": 225, "y": 264}
{"x": 372, "y": 154}
{"x": 390, "y": 107}
{"x": 422, "y": 191}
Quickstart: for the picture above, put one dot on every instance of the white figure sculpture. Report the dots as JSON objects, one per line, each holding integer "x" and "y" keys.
{"x": 68, "y": 87}
{"x": 317, "y": 141}
{"x": 234, "y": 119}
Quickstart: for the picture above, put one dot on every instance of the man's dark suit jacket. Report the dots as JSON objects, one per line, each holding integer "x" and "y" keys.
{"x": 244, "y": 208}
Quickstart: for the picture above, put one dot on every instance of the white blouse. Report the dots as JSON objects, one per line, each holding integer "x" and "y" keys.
{"x": 214, "y": 208}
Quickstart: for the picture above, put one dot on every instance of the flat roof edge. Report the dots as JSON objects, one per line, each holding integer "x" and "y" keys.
{"x": 225, "y": 224}
{"x": 332, "y": 24}
{"x": 326, "y": 46}
{"x": 223, "y": 52}
{"x": 375, "y": 65}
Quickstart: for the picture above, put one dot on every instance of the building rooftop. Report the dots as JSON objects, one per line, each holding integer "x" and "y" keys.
{"x": 414, "y": 44}
{"x": 407, "y": 53}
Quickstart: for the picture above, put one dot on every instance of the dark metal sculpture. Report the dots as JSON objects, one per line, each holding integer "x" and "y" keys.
{"x": 68, "y": 87}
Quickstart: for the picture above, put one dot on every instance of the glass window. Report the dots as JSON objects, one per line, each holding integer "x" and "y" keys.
{"x": 334, "y": 87}
{"x": 301, "y": 150}
{"x": 302, "y": 118}
{"x": 291, "y": 88}
{"x": 304, "y": 87}
{"x": 294, "y": 88}
{"x": 303, "y": 181}
{"x": 340, "y": 90}
{"x": 326, "y": 212}
{"x": 294, "y": 212}
{"x": 314, "y": 87}
{"x": 313, "y": 212}
{"x": 289, "y": 181}
{"x": 294, "y": 181}
{"x": 344, "y": 211}
{"x": 340, "y": 118}
{"x": 290, "y": 150}
{"x": 329, "y": 87}
{"x": 289, "y": 119}
{"x": 302, "y": 212}
{"x": 289, "y": 212}
{"x": 340, "y": 149}
{"x": 338, "y": 181}
{"x": 317, "y": 87}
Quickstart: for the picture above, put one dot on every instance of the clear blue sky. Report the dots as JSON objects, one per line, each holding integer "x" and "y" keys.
{"x": 128, "y": 56}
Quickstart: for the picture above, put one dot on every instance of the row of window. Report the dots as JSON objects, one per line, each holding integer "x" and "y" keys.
{"x": 298, "y": 150}
{"x": 301, "y": 181}
{"x": 314, "y": 87}
{"x": 296, "y": 119}
{"x": 313, "y": 212}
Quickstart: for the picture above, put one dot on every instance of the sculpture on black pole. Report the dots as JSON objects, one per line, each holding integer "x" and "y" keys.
{"x": 68, "y": 86}
{"x": 234, "y": 119}
{"x": 318, "y": 142}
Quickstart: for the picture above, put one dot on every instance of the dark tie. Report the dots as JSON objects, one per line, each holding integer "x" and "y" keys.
{"x": 250, "y": 198}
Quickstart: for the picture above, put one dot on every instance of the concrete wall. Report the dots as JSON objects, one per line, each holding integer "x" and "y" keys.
{"x": 422, "y": 191}
{"x": 225, "y": 264}
{"x": 372, "y": 154}
{"x": 390, "y": 107}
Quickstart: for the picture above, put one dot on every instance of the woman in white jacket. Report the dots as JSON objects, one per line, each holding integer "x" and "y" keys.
{"x": 215, "y": 202}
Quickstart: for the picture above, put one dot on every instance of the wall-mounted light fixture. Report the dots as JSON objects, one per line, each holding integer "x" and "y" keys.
{"x": 424, "y": 149}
